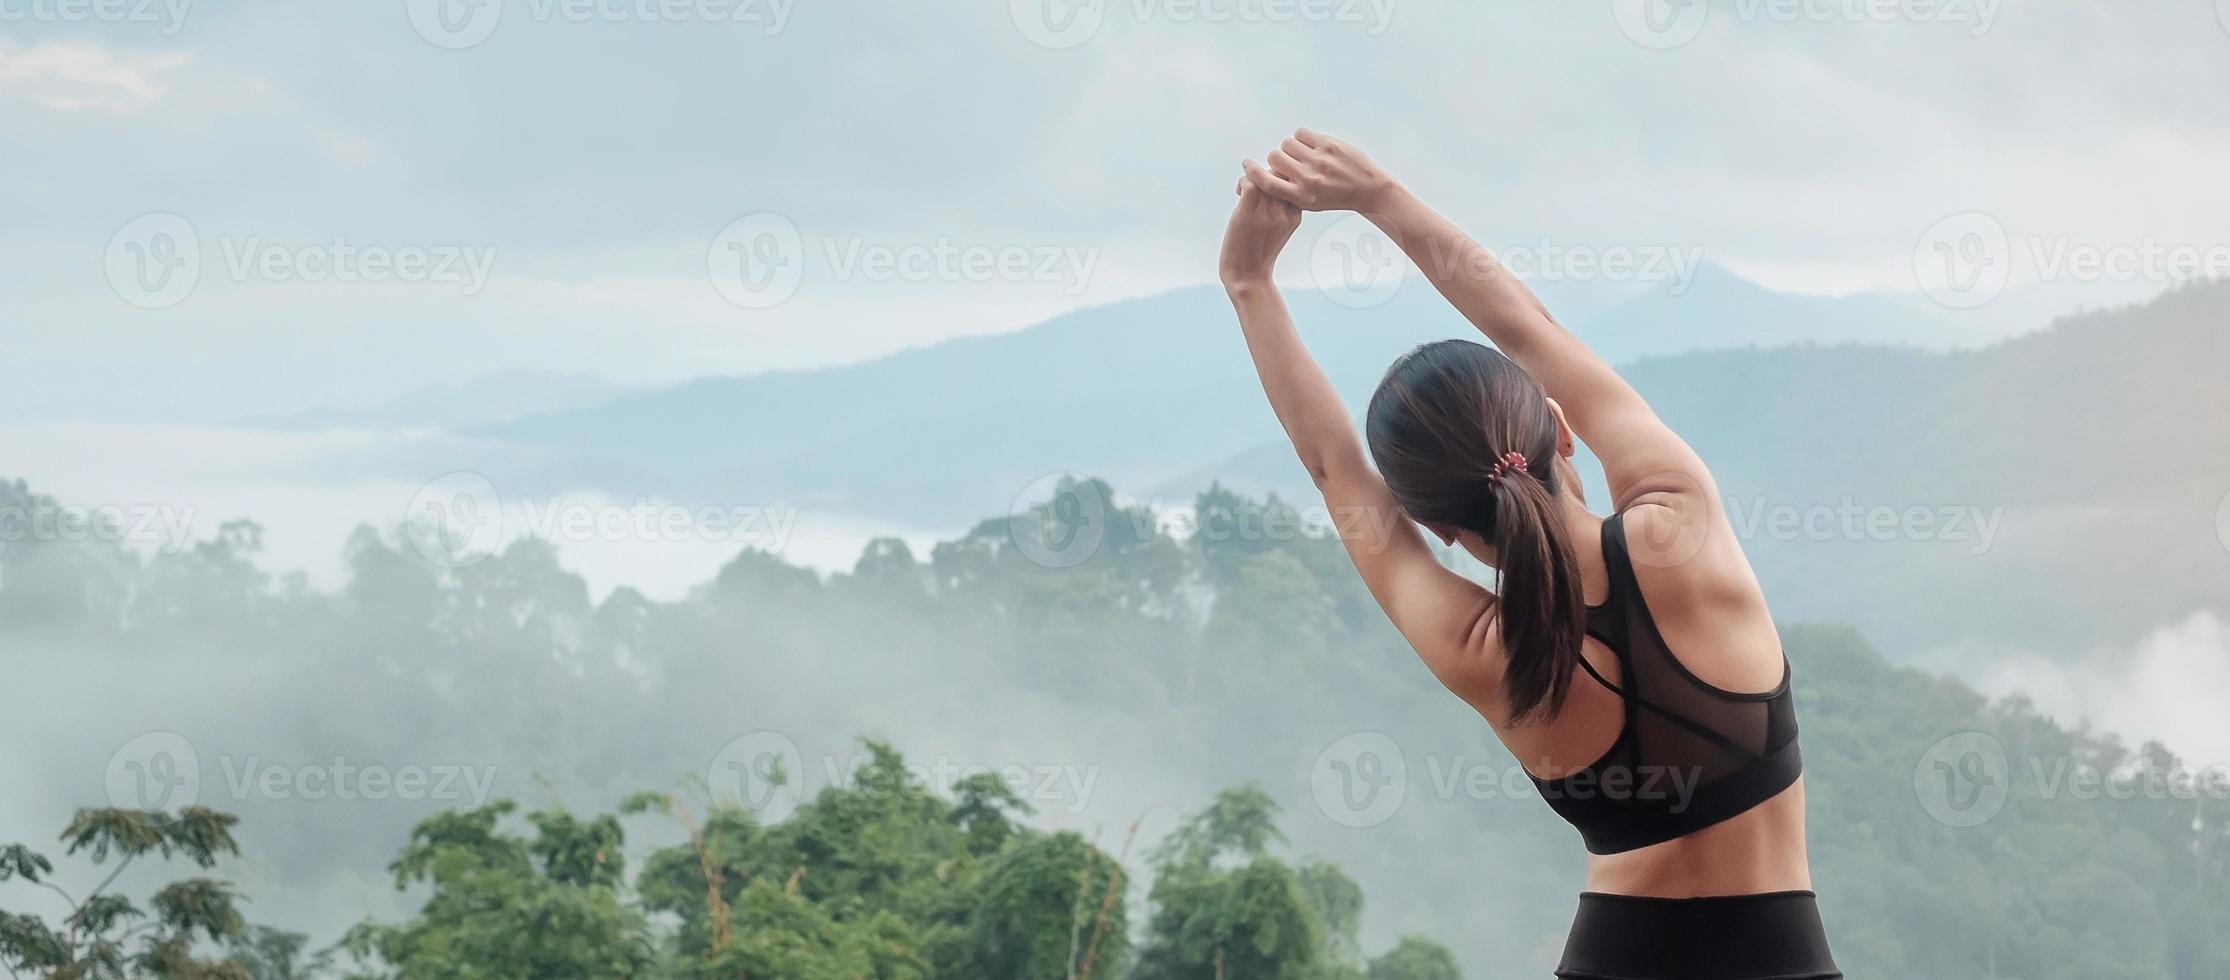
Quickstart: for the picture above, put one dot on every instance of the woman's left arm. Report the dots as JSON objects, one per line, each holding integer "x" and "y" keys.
{"x": 1445, "y": 616}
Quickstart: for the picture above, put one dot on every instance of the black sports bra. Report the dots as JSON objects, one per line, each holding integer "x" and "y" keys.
{"x": 1690, "y": 754}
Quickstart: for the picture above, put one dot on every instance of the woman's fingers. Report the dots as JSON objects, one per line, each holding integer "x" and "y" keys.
{"x": 1311, "y": 138}
{"x": 1274, "y": 185}
{"x": 1284, "y": 164}
{"x": 1297, "y": 149}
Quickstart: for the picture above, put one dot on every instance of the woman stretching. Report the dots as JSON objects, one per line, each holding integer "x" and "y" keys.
{"x": 1629, "y": 663}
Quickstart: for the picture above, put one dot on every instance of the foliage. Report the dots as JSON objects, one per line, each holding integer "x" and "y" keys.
{"x": 1207, "y": 661}
{"x": 104, "y": 934}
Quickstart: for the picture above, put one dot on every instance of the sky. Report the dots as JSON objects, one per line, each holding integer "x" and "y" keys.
{"x": 573, "y": 185}
{"x": 590, "y": 186}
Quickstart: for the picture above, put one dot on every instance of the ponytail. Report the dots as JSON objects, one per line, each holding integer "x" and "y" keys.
{"x": 1541, "y": 610}
{"x": 1451, "y": 428}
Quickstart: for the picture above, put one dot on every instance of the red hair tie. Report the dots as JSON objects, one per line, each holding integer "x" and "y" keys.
{"x": 1512, "y": 460}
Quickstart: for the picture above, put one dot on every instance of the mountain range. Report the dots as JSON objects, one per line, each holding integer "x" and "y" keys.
{"x": 1139, "y": 392}
{"x": 1885, "y": 466}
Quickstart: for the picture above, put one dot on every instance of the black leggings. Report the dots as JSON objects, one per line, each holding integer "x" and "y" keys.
{"x": 1775, "y": 936}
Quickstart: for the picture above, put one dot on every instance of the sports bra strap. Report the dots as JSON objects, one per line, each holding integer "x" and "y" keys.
{"x": 1734, "y": 750}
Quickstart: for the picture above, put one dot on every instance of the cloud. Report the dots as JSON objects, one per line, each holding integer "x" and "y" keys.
{"x": 1812, "y": 156}
{"x": 2169, "y": 687}
{"x": 77, "y": 76}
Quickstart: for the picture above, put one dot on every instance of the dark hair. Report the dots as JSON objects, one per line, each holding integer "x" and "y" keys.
{"x": 1445, "y": 414}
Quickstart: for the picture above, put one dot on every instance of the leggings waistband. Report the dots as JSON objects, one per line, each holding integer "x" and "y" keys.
{"x": 1769, "y": 936}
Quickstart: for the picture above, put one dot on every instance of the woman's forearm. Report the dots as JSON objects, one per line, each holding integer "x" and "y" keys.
{"x": 1300, "y": 393}
{"x": 1479, "y": 286}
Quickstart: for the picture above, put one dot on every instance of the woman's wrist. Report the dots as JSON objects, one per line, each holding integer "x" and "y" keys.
{"x": 1390, "y": 205}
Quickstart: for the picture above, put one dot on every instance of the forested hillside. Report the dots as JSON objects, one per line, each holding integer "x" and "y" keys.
{"x": 1129, "y": 686}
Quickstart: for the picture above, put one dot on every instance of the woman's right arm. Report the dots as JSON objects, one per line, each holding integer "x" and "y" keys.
{"x": 1643, "y": 460}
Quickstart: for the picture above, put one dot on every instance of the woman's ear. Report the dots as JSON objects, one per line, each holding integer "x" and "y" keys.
{"x": 1565, "y": 446}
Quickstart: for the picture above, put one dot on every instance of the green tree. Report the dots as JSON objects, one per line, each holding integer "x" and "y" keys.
{"x": 275, "y": 954}
{"x": 106, "y": 935}
{"x": 1222, "y": 907}
{"x": 1416, "y": 958}
{"x": 503, "y": 905}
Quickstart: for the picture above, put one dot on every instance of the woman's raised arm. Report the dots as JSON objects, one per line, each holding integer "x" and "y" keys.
{"x": 1642, "y": 458}
{"x": 1443, "y": 615}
